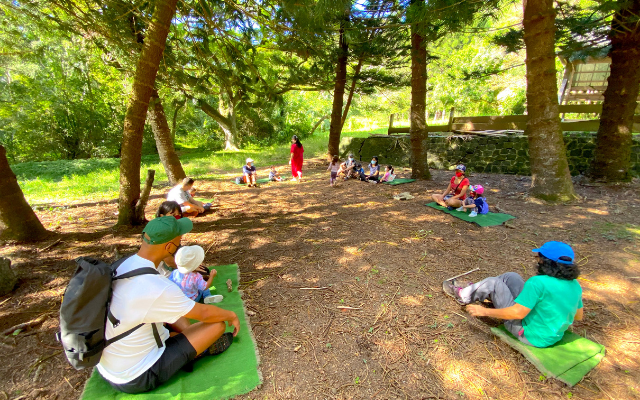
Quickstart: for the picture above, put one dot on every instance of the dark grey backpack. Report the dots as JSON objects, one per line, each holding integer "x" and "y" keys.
{"x": 85, "y": 310}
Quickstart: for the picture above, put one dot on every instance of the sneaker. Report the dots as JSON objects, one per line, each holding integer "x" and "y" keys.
{"x": 451, "y": 289}
{"x": 221, "y": 345}
{"x": 460, "y": 208}
{"x": 450, "y": 208}
{"x": 216, "y": 298}
{"x": 473, "y": 214}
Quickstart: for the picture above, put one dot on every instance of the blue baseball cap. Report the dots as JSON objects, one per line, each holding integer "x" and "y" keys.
{"x": 461, "y": 167}
{"x": 555, "y": 250}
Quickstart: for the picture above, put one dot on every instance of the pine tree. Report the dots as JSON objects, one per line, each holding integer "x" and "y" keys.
{"x": 549, "y": 165}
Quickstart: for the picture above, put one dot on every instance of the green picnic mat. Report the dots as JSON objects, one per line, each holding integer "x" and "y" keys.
{"x": 263, "y": 180}
{"x": 229, "y": 374}
{"x": 489, "y": 219}
{"x": 569, "y": 360}
{"x": 205, "y": 201}
{"x": 399, "y": 181}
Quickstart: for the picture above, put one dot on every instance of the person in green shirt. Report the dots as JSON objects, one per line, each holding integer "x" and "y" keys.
{"x": 537, "y": 311}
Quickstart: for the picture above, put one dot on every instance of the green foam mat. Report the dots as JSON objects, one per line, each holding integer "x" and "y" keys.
{"x": 399, "y": 181}
{"x": 263, "y": 180}
{"x": 569, "y": 360}
{"x": 227, "y": 375}
{"x": 489, "y": 219}
{"x": 205, "y": 201}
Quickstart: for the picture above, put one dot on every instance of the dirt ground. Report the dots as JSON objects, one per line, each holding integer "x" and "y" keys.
{"x": 403, "y": 338}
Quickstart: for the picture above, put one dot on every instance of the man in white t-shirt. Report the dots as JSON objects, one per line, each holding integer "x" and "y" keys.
{"x": 180, "y": 194}
{"x": 150, "y": 355}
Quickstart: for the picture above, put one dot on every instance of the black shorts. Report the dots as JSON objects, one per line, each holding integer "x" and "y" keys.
{"x": 177, "y": 354}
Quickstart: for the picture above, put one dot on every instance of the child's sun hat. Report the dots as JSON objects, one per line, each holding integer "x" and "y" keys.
{"x": 188, "y": 258}
{"x": 479, "y": 189}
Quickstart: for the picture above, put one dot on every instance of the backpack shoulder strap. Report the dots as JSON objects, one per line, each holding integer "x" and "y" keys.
{"x": 137, "y": 272}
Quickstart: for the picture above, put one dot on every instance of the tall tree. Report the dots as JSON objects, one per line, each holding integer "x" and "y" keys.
{"x": 614, "y": 138}
{"x": 335, "y": 128}
{"x": 17, "y": 219}
{"x": 549, "y": 167}
{"x": 143, "y": 87}
{"x": 164, "y": 140}
{"x": 418, "y": 117}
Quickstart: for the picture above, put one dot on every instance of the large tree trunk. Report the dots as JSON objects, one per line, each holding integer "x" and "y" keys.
{"x": 164, "y": 141}
{"x": 338, "y": 96}
{"x": 614, "y": 138}
{"x": 227, "y": 124}
{"x": 551, "y": 179}
{"x": 352, "y": 89}
{"x": 231, "y": 128}
{"x": 143, "y": 86}
{"x": 17, "y": 219}
{"x": 418, "y": 115}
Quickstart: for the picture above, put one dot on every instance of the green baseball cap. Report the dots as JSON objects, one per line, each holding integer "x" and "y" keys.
{"x": 165, "y": 229}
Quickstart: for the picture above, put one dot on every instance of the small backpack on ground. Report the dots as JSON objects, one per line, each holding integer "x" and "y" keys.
{"x": 240, "y": 180}
{"x": 85, "y": 310}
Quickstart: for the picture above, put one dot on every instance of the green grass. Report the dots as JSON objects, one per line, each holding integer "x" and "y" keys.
{"x": 97, "y": 179}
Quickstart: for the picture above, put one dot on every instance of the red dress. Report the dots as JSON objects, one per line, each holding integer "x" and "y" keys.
{"x": 296, "y": 161}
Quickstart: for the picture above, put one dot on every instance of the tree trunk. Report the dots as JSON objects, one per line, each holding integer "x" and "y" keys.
{"x": 143, "y": 86}
{"x": 17, "y": 219}
{"x": 551, "y": 179}
{"x": 317, "y": 124}
{"x": 175, "y": 118}
{"x": 352, "y": 89}
{"x": 164, "y": 141}
{"x": 418, "y": 120}
{"x": 338, "y": 96}
{"x": 144, "y": 198}
{"x": 231, "y": 129}
{"x": 614, "y": 139}
{"x": 227, "y": 124}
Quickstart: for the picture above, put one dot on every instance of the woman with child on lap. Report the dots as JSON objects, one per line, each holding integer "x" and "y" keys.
{"x": 456, "y": 192}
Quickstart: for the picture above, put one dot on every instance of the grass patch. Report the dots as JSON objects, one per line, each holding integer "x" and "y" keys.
{"x": 616, "y": 232}
{"x": 98, "y": 178}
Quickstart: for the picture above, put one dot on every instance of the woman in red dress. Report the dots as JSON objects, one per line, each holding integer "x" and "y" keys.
{"x": 297, "y": 158}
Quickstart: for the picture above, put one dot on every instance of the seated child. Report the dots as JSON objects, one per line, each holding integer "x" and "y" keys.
{"x": 374, "y": 170}
{"x": 388, "y": 174}
{"x": 475, "y": 203}
{"x": 335, "y": 167}
{"x": 193, "y": 285}
{"x": 169, "y": 208}
{"x": 274, "y": 175}
{"x": 359, "y": 172}
{"x": 249, "y": 173}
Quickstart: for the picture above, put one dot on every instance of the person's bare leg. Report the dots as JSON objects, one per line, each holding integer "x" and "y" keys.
{"x": 438, "y": 198}
{"x": 202, "y": 335}
{"x": 180, "y": 325}
{"x": 455, "y": 203}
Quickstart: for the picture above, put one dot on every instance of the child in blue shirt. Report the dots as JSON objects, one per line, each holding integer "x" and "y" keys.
{"x": 475, "y": 203}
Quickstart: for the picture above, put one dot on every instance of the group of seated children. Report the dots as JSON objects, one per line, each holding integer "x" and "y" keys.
{"x": 250, "y": 175}
{"x": 455, "y": 196}
{"x": 353, "y": 169}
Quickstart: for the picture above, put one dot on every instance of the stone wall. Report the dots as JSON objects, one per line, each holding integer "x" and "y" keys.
{"x": 502, "y": 155}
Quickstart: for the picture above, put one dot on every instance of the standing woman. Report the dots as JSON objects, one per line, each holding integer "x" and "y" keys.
{"x": 297, "y": 158}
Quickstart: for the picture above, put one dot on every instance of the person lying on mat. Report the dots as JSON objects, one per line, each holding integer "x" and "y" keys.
{"x": 180, "y": 194}
{"x": 537, "y": 312}
{"x": 249, "y": 174}
{"x": 475, "y": 203}
{"x": 374, "y": 170}
{"x": 456, "y": 192}
{"x": 149, "y": 355}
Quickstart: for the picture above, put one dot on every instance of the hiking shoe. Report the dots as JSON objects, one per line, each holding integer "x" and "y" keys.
{"x": 221, "y": 345}
{"x": 460, "y": 208}
{"x": 216, "y": 298}
{"x": 451, "y": 289}
{"x": 473, "y": 214}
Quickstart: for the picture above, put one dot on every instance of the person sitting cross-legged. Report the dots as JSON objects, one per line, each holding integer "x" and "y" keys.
{"x": 150, "y": 355}
{"x": 537, "y": 311}
{"x": 190, "y": 206}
